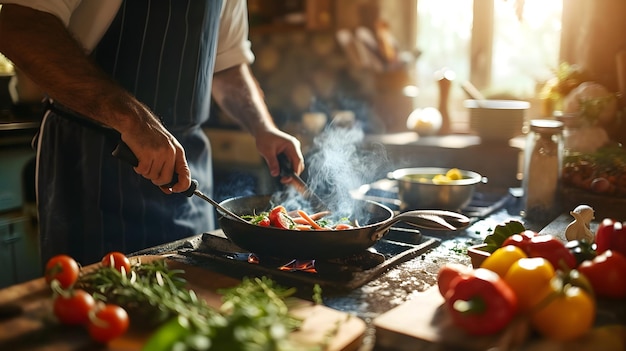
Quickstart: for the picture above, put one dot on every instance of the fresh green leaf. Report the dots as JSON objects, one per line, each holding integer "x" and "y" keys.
{"x": 501, "y": 233}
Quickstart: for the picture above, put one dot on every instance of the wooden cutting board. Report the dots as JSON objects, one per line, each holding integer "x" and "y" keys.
{"x": 32, "y": 326}
{"x": 423, "y": 323}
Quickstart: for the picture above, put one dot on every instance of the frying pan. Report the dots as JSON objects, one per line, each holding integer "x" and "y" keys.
{"x": 374, "y": 222}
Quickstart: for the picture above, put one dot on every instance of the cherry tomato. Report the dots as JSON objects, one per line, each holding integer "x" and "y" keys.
{"x": 569, "y": 312}
{"x": 530, "y": 280}
{"x": 108, "y": 323}
{"x": 278, "y": 218}
{"x": 116, "y": 260}
{"x": 64, "y": 269}
{"x": 501, "y": 260}
{"x": 448, "y": 272}
{"x": 607, "y": 274}
{"x": 73, "y": 307}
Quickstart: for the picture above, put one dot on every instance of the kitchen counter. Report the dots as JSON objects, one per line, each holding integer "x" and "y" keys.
{"x": 390, "y": 289}
{"x": 399, "y": 283}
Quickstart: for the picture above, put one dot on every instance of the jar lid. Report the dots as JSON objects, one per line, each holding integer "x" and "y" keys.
{"x": 549, "y": 126}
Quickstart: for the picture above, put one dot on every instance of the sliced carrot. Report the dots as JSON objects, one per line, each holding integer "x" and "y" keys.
{"x": 309, "y": 219}
{"x": 300, "y": 220}
{"x": 319, "y": 215}
{"x": 343, "y": 226}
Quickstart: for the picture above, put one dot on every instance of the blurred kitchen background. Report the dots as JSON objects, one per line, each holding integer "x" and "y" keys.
{"x": 369, "y": 63}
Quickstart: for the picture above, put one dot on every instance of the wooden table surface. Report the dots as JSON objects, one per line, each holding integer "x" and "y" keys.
{"x": 27, "y": 322}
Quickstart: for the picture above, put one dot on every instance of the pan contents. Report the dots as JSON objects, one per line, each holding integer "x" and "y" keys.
{"x": 278, "y": 217}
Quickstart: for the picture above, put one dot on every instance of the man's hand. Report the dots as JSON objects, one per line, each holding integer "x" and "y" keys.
{"x": 161, "y": 158}
{"x": 237, "y": 92}
{"x": 39, "y": 44}
{"x": 273, "y": 142}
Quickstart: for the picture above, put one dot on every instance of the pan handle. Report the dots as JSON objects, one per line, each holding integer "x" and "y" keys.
{"x": 124, "y": 153}
{"x": 428, "y": 219}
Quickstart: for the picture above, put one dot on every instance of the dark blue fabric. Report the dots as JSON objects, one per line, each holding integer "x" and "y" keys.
{"x": 90, "y": 202}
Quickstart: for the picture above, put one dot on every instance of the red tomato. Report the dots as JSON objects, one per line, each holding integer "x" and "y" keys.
{"x": 611, "y": 235}
{"x": 107, "y": 323}
{"x": 64, "y": 269}
{"x": 73, "y": 308}
{"x": 116, "y": 260}
{"x": 607, "y": 274}
{"x": 278, "y": 218}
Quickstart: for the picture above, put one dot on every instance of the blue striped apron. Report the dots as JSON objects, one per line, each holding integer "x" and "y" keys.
{"x": 90, "y": 203}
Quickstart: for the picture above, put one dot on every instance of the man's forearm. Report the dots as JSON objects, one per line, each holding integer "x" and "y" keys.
{"x": 237, "y": 92}
{"x": 41, "y": 47}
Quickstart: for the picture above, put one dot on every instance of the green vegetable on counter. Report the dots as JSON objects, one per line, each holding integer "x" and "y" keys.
{"x": 254, "y": 315}
{"x": 501, "y": 232}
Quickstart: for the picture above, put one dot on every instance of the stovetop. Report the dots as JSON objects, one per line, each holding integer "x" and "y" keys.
{"x": 399, "y": 245}
{"x": 385, "y": 191}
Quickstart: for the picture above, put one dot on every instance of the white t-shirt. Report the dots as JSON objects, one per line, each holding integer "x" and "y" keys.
{"x": 88, "y": 20}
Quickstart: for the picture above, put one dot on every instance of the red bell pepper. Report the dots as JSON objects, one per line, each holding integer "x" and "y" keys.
{"x": 611, "y": 235}
{"x": 553, "y": 250}
{"x": 480, "y": 303}
{"x": 607, "y": 274}
{"x": 521, "y": 240}
{"x": 279, "y": 218}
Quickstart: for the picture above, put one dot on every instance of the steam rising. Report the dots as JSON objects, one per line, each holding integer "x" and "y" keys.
{"x": 338, "y": 162}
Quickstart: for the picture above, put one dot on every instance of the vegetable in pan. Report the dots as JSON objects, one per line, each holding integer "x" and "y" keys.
{"x": 278, "y": 217}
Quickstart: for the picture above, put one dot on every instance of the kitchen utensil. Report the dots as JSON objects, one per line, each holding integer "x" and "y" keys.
{"x": 416, "y": 190}
{"x": 287, "y": 171}
{"x": 375, "y": 220}
{"x": 473, "y": 92}
{"x": 123, "y": 152}
{"x": 444, "y": 81}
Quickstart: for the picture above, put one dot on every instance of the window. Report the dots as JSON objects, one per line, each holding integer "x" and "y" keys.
{"x": 506, "y": 48}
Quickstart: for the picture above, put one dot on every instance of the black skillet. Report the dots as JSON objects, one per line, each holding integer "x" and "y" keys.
{"x": 374, "y": 222}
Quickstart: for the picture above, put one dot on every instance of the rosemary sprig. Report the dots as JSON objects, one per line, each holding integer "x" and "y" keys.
{"x": 254, "y": 314}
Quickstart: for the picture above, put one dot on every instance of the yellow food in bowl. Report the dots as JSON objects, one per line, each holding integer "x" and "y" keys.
{"x": 451, "y": 175}
{"x": 454, "y": 174}
{"x": 441, "y": 179}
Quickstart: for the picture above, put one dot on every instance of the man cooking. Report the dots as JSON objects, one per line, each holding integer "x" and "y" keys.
{"x": 139, "y": 72}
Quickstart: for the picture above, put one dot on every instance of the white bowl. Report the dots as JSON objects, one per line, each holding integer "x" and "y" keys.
{"x": 497, "y": 120}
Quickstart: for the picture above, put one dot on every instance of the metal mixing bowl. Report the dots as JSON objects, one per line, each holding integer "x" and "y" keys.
{"x": 416, "y": 190}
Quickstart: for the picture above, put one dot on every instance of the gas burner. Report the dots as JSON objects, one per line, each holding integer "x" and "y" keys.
{"x": 385, "y": 191}
{"x": 340, "y": 274}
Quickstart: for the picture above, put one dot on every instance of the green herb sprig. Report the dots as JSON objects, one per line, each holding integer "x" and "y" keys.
{"x": 254, "y": 314}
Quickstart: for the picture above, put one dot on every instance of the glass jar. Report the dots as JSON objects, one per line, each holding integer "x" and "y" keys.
{"x": 543, "y": 159}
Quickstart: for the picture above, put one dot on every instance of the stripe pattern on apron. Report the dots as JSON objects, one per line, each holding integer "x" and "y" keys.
{"x": 91, "y": 203}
